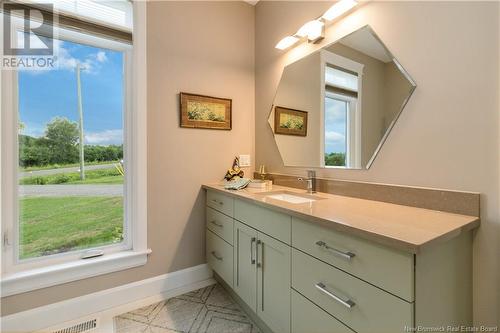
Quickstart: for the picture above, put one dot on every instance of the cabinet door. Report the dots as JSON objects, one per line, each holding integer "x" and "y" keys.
{"x": 273, "y": 283}
{"x": 245, "y": 265}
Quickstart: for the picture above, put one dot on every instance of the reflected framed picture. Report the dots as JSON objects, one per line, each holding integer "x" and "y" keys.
{"x": 198, "y": 111}
{"x": 289, "y": 121}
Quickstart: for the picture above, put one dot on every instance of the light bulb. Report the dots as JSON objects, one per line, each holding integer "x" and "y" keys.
{"x": 338, "y": 9}
{"x": 314, "y": 30}
{"x": 286, "y": 42}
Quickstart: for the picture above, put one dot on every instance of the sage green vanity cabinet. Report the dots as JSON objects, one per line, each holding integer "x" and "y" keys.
{"x": 257, "y": 266}
{"x": 298, "y": 276}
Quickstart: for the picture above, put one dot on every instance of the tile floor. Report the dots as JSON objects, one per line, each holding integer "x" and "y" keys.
{"x": 206, "y": 310}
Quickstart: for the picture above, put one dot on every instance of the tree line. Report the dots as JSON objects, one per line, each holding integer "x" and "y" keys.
{"x": 335, "y": 159}
{"x": 59, "y": 145}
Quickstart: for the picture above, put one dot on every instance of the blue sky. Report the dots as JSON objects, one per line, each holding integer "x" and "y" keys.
{"x": 335, "y": 126}
{"x": 46, "y": 94}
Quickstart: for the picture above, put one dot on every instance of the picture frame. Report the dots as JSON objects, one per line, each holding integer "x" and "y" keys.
{"x": 290, "y": 121}
{"x": 200, "y": 111}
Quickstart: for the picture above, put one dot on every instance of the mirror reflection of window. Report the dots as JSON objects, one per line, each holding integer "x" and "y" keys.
{"x": 353, "y": 91}
{"x": 335, "y": 132}
{"x": 341, "y": 79}
{"x": 341, "y": 97}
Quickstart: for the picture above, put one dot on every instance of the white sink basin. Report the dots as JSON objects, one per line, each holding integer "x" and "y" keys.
{"x": 292, "y": 197}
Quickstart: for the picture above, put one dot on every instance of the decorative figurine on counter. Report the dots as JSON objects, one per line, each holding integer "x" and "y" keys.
{"x": 235, "y": 171}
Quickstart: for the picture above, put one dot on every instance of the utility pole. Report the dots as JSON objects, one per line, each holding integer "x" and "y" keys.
{"x": 80, "y": 112}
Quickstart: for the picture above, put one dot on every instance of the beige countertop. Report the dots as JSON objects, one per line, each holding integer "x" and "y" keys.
{"x": 406, "y": 228}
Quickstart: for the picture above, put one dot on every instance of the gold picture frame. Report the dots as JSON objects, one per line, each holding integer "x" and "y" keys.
{"x": 199, "y": 111}
{"x": 289, "y": 121}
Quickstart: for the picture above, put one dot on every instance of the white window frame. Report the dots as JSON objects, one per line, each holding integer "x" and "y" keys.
{"x": 30, "y": 274}
{"x": 13, "y": 263}
{"x": 355, "y": 127}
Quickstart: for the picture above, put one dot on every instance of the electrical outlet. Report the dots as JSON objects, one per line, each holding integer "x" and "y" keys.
{"x": 245, "y": 161}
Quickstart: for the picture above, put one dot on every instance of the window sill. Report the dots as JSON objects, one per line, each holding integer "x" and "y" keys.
{"x": 29, "y": 280}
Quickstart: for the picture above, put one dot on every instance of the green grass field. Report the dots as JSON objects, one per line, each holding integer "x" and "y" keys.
{"x": 113, "y": 179}
{"x": 52, "y": 225}
{"x": 59, "y": 166}
{"x": 101, "y": 176}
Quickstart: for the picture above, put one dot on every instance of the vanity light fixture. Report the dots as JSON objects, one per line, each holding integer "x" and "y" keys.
{"x": 338, "y": 9}
{"x": 315, "y": 30}
{"x": 286, "y": 42}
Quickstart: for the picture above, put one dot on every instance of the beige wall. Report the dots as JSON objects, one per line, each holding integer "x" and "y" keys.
{"x": 446, "y": 137}
{"x": 205, "y": 48}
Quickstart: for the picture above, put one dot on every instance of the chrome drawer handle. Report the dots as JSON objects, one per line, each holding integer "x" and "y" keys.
{"x": 218, "y": 202}
{"x": 259, "y": 256}
{"x": 347, "y": 303}
{"x": 252, "y": 259}
{"x": 216, "y": 256}
{"x": 261, "y": 266}
{"x": 214, "y": 222}
{"x": 345, "y": 255}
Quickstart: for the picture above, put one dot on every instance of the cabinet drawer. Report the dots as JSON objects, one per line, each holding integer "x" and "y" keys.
{"x": 220, "y": 224}
{"x": 274, "y": 224}
{"x": 220, "y": 257}
{"x": 307, "y": 317}
{"x": 386, "y": 268}
{"x": 220, "y": 202}
{"x": 359, "y": 305}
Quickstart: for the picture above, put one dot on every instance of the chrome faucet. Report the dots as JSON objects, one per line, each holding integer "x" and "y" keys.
{"x": 311, "y": 181}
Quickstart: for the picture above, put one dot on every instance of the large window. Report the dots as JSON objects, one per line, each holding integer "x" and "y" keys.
{"x": 71, "y": 151}
{"x": 73, "y": 155}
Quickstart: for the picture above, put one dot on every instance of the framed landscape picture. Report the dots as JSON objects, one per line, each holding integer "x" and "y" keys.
{"x": 198, "y": 111}
{"x": 289, "y": 121}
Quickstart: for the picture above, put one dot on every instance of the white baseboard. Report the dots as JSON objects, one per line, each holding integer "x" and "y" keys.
{"x": 111, "y": 301}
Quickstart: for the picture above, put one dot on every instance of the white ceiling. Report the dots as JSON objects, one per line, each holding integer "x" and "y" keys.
{"x": 252, "y": 2}
{"x": 365, "y": 42}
